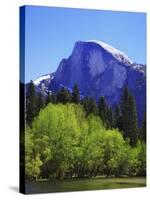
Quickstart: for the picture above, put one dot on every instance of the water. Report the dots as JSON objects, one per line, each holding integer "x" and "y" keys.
{"x": 83, "y": 184}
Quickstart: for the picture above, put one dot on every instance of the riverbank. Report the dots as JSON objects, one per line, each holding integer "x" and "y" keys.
{"x": 69, "y": 185}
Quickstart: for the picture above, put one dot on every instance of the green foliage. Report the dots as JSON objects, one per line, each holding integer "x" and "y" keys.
{"x": 117, "y": 118}
{"x": 89, "y": 105}
{"x": 115, "y": 149}
{"x": 102, "y": 109}
{"x": 92, "y": 107}
{"x": 105, "y": 113}
{"x": 64, "y": 141}
{"x": 124, "y": 105}
{"x": 84, "y": 102}
{"x": 63, "y": 96}
{"x": 129, "y": 117}
{"x": 40, "y": 102}
{"x": 109, "y": 118}
{"x": 143, "y": 129}
{"x": 75, "y": 94}
{"x": 32, "y": 159}
{"x": 54, "y": 98}
{"x": 137, "y": 161}
{"x": 30, "y": 103}
{"x": 33, "y": 167}
{"x": 78, "y": 140}
{"x": 133, "y": 128}
{"x": 48, "y": 98}
{"x": 35, "y": 101}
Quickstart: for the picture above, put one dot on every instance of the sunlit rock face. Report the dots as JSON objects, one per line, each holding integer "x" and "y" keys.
{"x": 101, "y": 70}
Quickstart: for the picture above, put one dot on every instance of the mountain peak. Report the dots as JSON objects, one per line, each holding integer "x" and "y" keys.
{"x": 99, "y": 70}
{"x": 116, "y": 53}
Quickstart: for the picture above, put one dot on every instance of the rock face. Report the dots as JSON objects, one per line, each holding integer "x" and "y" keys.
{"x": 101, "y": 70}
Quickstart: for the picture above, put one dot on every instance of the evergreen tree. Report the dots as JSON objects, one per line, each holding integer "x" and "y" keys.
{"x": 102, "y": 109}
{"x": 75, "y": 94}
{"x": 30, "y": 103}
{"x": 40, "y": 102}
{"x": 54, "y": 98}
{"x": 84, "y": 102}
{"x": 48, "y": 98}
{"x": 69, "y": 96}
{"x": 89, "y": 105}
{"x": 63, "y": 96}
{"x": 143, "y": 130}
{"x": 92, "y": 107}
{"x": 133, "y": 127}
{"x": 109, "y": 118}
{"x": 129, "y": 117}
{"x": 125, "y": 111}
{"x": 117, "y": 118}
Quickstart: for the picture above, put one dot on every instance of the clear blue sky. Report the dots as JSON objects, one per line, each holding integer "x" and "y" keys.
{"x": 52, "y": 32}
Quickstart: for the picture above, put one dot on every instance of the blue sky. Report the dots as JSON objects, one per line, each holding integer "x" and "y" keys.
{"x": 51, "y": 34}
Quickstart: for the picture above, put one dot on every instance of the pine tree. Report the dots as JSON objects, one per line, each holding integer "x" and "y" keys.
{"x": 117, "y": 118}
{"x": 48, "y": 98}
{"x": 92, "y": 107}
{"x": 30, "y": 103}
{"x": 102, "y": 109}
{"x": 84, "y": 102}
{"x": 125, "y": 111}
{"x": 54, "y": 98}
{"x": 129, "y": 117}
{"x": 133, "y": 128}
{"x": 89, "y": 105}
{"x": 109, "y": 118}
{"x": 40, "y": 102}
{"x": 75, "y": 94}
{"x": 63, "y": 96}
{"x": 143, "y": 129}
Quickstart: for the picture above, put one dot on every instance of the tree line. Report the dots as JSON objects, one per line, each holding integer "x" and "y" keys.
{"x": 70, "y": 136}
{"x": 123, "y": 116}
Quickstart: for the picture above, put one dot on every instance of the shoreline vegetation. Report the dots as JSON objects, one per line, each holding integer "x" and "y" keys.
{"x": 82, "y": 184}
{"x": 69, "y": 138}
{"x": 122, "y": 178}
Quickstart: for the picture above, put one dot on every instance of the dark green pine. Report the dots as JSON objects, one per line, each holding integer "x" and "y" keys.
{"x": 30, "y": 103}
{"x": 75, "y": 94}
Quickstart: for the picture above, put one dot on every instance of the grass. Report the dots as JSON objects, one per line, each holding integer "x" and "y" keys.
{"x": 69, "y": 185}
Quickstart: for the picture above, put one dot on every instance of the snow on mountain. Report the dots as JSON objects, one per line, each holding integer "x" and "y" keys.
{"x": 42, "y": 83}
{"x": 119, "y": 55}
{"x": 139, "y": 67}
{"x": 42, "y": 78}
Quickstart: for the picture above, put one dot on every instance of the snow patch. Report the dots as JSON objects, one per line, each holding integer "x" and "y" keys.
{"x": 119, "y": 55}
{"x": 139, "y": 67}
{"x": 41, "y": 78}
